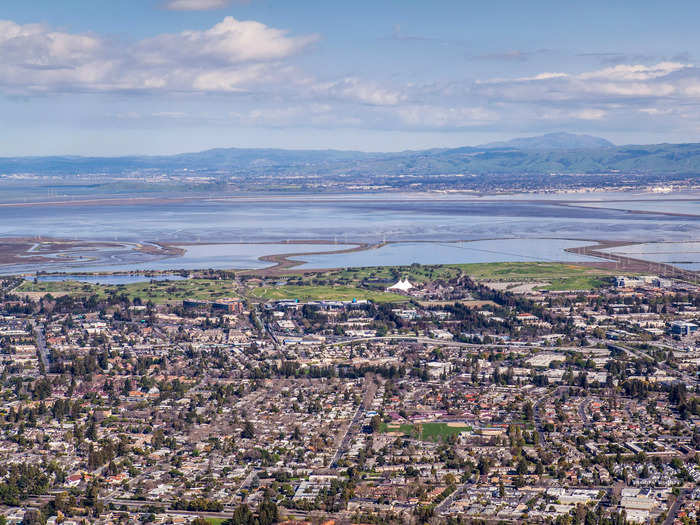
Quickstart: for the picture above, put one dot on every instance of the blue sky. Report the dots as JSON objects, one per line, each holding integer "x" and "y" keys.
{"x": 105, "y": 77}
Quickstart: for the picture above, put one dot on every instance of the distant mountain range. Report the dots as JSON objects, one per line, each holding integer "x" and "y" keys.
{"x": 560, "y": 153}
{"x": 554, "y": 141}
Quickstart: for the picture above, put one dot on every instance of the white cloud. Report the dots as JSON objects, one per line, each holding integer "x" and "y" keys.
{"x": 36, "y": 46}
{"x": 288, "y": 115}
{"x": 622, "y": 82}
{"x": 634, "y": 72}
{"x": 692, "y": 88}
{"x": 539, "y": 76}
{"x": 235, "y": 56}
{"x": 230, "y": 56}
{"x": 630, "y": 89}
{"x": 431, "y": 116}
{"x": 547, "y": 76}
{"x": 230, "y": 41}
{"x": 230, "y": 79}
{"x": 655, "y": 111}
{"x": 589, "y": 114}
{"x": 170, "y": 114}
{"x": 196, "y": 5}
{"x": 352, "y": 88}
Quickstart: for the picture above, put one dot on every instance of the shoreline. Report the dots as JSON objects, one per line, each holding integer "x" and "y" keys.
{"x": 287, "y": 263}
{"x": 632, "y": 264}
{"x": 43, "y": 250}
{"x": 562, "y": 197}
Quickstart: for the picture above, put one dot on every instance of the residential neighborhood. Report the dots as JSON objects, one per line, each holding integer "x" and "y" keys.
{"x": 426, "y": 395}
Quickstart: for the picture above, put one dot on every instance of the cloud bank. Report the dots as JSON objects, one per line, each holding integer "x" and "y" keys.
{"x": 253, "y": 66}
{"x": 196, "y": 5}
{"x": 230, "y": 56}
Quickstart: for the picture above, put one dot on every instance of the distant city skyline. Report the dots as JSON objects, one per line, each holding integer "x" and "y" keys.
{"x": 170, "y": 76}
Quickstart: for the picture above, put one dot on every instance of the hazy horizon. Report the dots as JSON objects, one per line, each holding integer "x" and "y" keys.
{"x": 505, "y": 139}
{"x": 368, "y": 150}
{"x": 167, "y": 76}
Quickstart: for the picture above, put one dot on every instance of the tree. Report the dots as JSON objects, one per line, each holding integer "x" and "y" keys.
{"x": 522, "y": 467}
{"x": 484, "y": 465}
{"x": 32, "y": 517}
{"x": 242, "y": 515}
{"x": 91, "y": 432}
{"x": 267, "y": 512}
{"x": 248, "y": 430}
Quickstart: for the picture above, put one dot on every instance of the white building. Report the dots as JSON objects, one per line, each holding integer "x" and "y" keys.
{"x": 402, "y": 286}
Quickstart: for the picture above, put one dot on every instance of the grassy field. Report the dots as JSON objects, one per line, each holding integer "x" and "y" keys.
{"x": 415, "y": 273}
{"x": 157, "y": 291}
{"x": 160, "y": 292}
{"x": 63, "y": 287}
{"x": 405, "y": 428}
{"x": 428, "y": 431}
{"x": 560, "y": 276}
{"x": 529, "y": 270}
{"x": 581, "y": 282}
{"x": 329, "y": 293}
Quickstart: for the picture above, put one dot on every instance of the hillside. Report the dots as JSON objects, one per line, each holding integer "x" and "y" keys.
{"x": 538, "y": 155}
{"x": 554, "y": 141}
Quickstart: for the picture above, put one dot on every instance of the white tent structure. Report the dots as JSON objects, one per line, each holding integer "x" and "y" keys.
{"x": 402, "y": 286}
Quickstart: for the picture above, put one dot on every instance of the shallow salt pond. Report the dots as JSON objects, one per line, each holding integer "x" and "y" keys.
{"x": 493, "y": 250}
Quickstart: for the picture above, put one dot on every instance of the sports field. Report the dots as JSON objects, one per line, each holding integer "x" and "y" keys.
{"x": 427, "y": 431}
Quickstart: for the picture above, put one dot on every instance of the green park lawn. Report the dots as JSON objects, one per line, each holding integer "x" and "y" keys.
{"x": 513, "y": 271}
{"x": 340, "y": 285}
{"x": 328, "y": 293}
{"x": 430, "y": 431}
{"x": 157, "y": 292}
{"x": 559, "y": 276}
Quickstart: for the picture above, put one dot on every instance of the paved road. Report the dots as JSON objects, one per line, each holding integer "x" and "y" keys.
{"x": 582, "y": 407}
{"x": 354, "y": 425}
{"x": 582, "y": 412}
{"x": 249, "y": 479}
{"x": 342, "y": 447}
{"x": 41, "y": 345}
{"x": 445, "y": 504}
{"x": 536, "y": 410}
{"x": 14, "y": 288}
{"x": 164, "y": 504}
{"x": 634, "y": 264}
{"x": 429, "y": 340}
{"x": 643, "y": 355}
{"x": 271, "y": 333}
{"x": 673, "y": 511}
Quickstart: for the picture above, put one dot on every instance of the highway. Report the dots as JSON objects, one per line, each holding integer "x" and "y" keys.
{"x": 428, "y": 340}
{"x": 643, "y": 355}
{"x": 164, "y": 505}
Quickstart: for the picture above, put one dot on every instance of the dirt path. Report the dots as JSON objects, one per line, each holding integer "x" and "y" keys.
{"x": 285, "y": 262}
